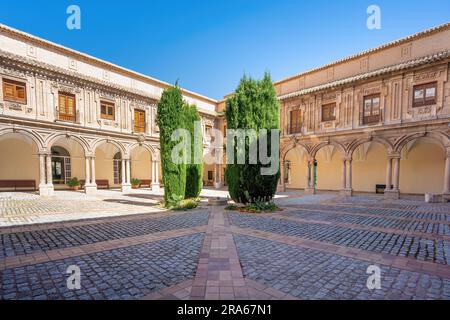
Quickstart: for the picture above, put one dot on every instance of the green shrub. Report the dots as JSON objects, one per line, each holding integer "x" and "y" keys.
{"x": 187, "y": 204}
{"x": 231, "y": 207}
{"x": 262, "y": 207}
{"x": 254, "y": 105}
{"x": 135, "y": 182}
{"x": 74, "y": 182}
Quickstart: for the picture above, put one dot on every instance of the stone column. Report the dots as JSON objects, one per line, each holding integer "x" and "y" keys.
{"x": 446, "y": 192}
{"x": 43, "y": 186}
{"x": 49, "y": 187}
{"x": 91, "y": 185}
{"x": 394, "y": 192}
{"x": 281, "y": 185}
{"x": 88, "y": 171}
{"x": 347, "y": 190}
{"x": 218, "y": 178}
{"x": 126, "y": 180}
{"x": 155, "y": 176}
{"x": 389, "y": 175}
{"x": 310, "y": 183}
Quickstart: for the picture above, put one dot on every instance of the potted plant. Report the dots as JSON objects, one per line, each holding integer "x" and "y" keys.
{"x": 135, "y": 183}
{"x": 74, "y": 184}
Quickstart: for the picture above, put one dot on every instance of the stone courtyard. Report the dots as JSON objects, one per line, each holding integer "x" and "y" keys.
{"x": 316, "y": 247}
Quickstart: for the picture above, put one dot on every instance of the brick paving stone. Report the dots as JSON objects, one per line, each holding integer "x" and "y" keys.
{"x": 13, "y": 244}
{"x": 312, "y": 274}
{"x": 126, "y": 273}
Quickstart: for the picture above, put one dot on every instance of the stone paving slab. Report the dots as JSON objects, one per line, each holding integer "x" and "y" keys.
{"x": 14, "y": 244}
{"x": 398, "y": 245}
{"x": 312, "y": 274}
{"x": 126, "y": 273}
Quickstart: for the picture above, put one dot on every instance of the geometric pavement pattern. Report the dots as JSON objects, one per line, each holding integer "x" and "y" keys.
{"x": 306, "y": 251}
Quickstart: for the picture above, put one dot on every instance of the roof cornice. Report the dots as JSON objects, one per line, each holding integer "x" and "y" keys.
{"x": 364, "y": 76}
{"x": 359, "y": 55}
{"x": 96, "y": 61}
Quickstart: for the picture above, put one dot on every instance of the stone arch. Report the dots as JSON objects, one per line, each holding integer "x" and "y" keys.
{"x": 291, "y": 147}
{"x": 422, "y": 170}
{"x": 321, "y": 145}
{"x": 438, "y": 137}
{"x": 357, "y": 143}
{"x": 36, "y": 138}
{"x": 146, "y": 146}
{"x": 118, "y": 145}
{"x": 56, "y": 137}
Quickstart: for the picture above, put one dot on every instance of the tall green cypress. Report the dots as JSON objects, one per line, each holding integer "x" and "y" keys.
{"x": 170, "y": 117}
{"x": 194, "y": 170}
{"x": 254, "y": 105}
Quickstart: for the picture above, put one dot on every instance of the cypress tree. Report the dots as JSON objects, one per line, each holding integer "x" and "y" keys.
{"x": 254, "y": 105}
{"x": 194, "y": 170}
{"x": 170, "y": 117}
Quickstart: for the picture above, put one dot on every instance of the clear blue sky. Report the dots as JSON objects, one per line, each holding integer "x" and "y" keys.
{"x": 209, "y": 44}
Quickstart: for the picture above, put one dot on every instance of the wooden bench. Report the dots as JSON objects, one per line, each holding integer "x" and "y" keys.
{"x": 18, "y": 184}
{"x": 145, "y": 183}
{"x": 101, "y": 183}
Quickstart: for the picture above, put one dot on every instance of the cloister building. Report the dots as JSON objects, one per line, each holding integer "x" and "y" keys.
{"x": 375, "y": 121}
{"x": 64, "y": 114}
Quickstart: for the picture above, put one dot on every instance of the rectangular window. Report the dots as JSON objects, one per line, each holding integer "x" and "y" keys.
{"x": 296, "y": 121}
{"x": 329, "y": 112}
{"x": 139, "y": 121}
{"x": 67, "y": 107}
{"x": 372, "y": 109}
{"x": 107, "y": 110}
{"x": 210, "y": 175}
{"x": 14, "y": 91}
{"x": 425, "y": 95}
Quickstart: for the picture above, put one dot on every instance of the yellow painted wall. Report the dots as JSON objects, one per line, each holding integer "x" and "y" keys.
{"x": 141, "y": 164}
{"x": 371, "y": 171}
{"x": 18, "y": 159}
{"x": 423, "y": 170}
{"x": 329, "y": 171}
{"x": 298, "y": 169}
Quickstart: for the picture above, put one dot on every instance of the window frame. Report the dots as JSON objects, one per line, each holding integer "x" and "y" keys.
{"x": 137, "y": 128}
{"x": 65, "y": 116}
{"x": 108, "y": 106}
{"x": 16, "y": 84}
{"x": 369, "y": 120}
{"x": 424, "y": 101}
{"x": 295, "y": 126}
{"x": 329, "y": 106}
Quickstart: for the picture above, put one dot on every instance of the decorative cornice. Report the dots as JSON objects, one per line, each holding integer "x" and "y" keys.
{"x": 360, "y": 55}
{"x": 364, "y": 76}
{"x": 95, "y": 61}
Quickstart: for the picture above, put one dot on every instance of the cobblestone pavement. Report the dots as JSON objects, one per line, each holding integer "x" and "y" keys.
{"x": 311, "y": 274}
{"x": 318, "y": 247}
{"x": 127, "y": 273}
{"x": 21, "y": 243}
{"x": 399, "y": 245}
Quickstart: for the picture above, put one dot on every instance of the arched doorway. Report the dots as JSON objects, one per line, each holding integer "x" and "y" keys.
{"x": 61, "y": 166}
